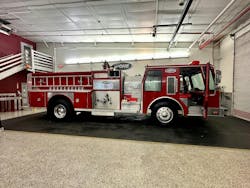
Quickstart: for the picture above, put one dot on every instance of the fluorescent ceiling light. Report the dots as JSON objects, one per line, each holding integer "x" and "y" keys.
{"x": 131, "y": 57}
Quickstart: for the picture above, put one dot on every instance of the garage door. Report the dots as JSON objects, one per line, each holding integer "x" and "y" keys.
{"x": 241, "y": 95}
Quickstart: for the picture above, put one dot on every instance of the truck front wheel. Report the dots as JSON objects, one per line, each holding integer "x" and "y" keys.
{"x": 164, "y": 113}
{"x": 60, "y": 110}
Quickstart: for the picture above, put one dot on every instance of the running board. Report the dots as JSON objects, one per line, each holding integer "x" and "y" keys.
{"x": 102, "y": 113}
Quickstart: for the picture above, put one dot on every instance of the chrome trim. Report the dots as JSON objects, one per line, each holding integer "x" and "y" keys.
{"x": 70, "y": 95}
{"x": 165, "y": 97}
{"x": 103, "y": 110}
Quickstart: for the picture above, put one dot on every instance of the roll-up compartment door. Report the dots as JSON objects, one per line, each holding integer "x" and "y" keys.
{"x": 241, "y": 91}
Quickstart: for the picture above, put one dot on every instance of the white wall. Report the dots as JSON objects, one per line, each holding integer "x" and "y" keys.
{"x": 226, "y": 63}
{"x": 81, "y": 50}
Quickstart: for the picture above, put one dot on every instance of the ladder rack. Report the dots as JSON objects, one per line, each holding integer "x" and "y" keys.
{"x": 61, "y": 82}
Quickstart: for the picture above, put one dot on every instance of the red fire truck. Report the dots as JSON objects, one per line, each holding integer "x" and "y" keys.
{"x": 164, "y": 92}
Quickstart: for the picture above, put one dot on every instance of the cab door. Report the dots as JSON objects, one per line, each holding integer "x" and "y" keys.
{"x": 159, "y": 83}
{"x": 206, "y": 94}
{"x": 211, "y": 95}
{"x": 153, "y": 86}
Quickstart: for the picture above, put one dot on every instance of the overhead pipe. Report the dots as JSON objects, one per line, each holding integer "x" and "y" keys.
{"x": 165, "y": 25}
{"x": 212, "y": 23}
{"x": 156, "y": 11}
{"x": 156, "y": 18}
{"x": 184, "y": 13}
{"x": 170, "y": 25}
{"x": 217, "y": 36}
{"x": 145, "y": 33}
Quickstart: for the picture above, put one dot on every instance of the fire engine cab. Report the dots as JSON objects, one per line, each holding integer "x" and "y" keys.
{"x": 164, "y": 92}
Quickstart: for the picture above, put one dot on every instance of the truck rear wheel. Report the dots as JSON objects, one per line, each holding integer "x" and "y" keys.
{"x": 60, "y": 110}
{"x": 164, "y": 113}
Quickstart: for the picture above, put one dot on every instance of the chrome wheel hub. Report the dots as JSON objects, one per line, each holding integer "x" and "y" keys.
{"x": 60, "y": 111}
{"x": 165, "y": 114}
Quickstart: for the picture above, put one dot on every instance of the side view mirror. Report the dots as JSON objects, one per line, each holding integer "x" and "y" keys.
{"x": 217, "y": 77}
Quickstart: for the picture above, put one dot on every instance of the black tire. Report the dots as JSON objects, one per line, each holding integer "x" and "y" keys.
{"x": 60, "y": 110}
{"x": 164, "y": 113}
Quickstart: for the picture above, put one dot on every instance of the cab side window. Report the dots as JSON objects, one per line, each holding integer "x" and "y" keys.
{"x": 153, "y": 80}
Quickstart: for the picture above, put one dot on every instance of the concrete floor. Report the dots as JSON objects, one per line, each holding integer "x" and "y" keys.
{"x": 51, "y": 160}
{"x": 124, "y": 152}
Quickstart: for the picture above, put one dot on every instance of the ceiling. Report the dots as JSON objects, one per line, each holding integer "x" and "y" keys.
{"x": 115, "y": 20}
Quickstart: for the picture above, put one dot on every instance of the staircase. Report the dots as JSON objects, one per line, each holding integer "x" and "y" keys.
{"x": 12, "y": 64}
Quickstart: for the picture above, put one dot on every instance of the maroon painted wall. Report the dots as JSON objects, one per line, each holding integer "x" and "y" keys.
{"x": 9, "y": 84}
{"x": 12, "y": 45}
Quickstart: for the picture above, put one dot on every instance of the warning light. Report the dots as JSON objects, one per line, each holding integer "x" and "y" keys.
{"x": 195, "y": 62}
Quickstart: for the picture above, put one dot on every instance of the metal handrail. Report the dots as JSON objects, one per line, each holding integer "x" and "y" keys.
{"x": 9, "y": 57}
{"x": 41, "y": 62}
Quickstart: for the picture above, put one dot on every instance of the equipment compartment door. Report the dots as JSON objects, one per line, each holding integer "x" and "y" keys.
{"x": 106, "y": 94}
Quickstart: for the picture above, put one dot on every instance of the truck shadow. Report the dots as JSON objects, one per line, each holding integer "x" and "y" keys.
{"x": 220, "y": 132}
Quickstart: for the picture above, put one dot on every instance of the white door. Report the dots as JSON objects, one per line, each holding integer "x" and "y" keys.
{"x": 241, "y": 90}
{"x": 24, "y": 94}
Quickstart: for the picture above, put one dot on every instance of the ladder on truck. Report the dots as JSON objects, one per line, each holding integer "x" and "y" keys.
{"x": 72, "y": 82}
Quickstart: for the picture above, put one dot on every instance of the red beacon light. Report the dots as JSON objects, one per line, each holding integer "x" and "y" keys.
{"x": 195, "y": 62}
